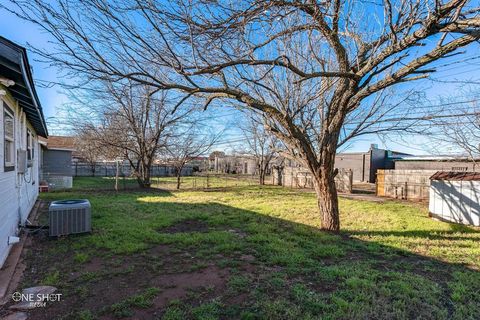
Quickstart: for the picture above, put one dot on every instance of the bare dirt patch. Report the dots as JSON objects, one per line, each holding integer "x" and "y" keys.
{"x": 178, "y": 285}
{"x": 106, "y": 279}
{"x": 94, "y": 265}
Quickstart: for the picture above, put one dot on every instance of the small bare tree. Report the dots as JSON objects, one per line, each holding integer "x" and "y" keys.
{"x": 133, "y": 120}
{"x": 458, "y": 135}
{"x": 186, "y": 144}
{"x": 88, "y": 148}
{"x": 341, "y": 55}
{"x": 261, "y": 144}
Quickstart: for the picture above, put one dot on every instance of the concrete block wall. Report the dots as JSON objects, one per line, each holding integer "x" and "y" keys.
{"x": 297, "y": 177}
{"x": 404, "y": 184}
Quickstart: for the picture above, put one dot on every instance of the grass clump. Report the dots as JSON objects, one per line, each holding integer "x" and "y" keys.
{"x": 51, "y": 279}
{"x": 140, "y": 301}
{"x": 207, "y": 311}
{"x": 81, "y": 257}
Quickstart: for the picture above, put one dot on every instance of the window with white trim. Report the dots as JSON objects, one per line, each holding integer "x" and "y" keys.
{"x": 30, "y": 149}
{"x": 9, "y": 138}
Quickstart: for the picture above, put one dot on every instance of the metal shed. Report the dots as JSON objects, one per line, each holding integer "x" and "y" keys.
{"x": 455, "y": 196}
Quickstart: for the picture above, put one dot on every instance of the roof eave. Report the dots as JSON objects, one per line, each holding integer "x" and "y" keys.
{"x": 33, "y": 92}
{"x": 19, "y": 67}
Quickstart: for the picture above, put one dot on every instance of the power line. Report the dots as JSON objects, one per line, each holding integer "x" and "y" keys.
{"x": 424, "y": 118}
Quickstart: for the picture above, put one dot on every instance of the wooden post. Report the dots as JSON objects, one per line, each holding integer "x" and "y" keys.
{"x": 116, "y": 175}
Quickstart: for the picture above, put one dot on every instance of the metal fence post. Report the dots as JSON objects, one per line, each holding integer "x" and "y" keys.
{"x": 116, "y": 175}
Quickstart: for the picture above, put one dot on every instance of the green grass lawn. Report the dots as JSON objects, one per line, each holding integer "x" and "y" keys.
{"x": 256, "y": 253}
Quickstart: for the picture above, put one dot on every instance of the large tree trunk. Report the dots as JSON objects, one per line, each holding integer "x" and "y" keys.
{"x": 324, "y": 182}
{"x": 327, "y": 200}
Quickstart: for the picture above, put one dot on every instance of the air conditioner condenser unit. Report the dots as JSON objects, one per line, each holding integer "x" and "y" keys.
{"x": 69, "y": 217}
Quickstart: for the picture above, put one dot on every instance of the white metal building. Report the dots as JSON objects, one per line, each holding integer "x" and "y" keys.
{"x": 21, "y": 122}
{"x": 455, "y": 196}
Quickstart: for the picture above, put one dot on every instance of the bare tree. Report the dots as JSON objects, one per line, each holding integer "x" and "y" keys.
{"x": 185, "y": 145}
{"x": 88, "y": 148}
{"x": 261, "y": 144}
{"x": 135, "y": 121}
{"x": 343, "y": 54}
{"x": 459, "y": 136}
{"x": 465, "y": 136}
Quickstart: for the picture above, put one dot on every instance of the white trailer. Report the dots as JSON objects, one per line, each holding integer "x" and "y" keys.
{"x": 455, "y": 197}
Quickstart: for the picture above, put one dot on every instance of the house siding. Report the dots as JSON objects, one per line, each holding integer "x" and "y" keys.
{"x": 56, "y": 169}
{"x": 18, "y": 192}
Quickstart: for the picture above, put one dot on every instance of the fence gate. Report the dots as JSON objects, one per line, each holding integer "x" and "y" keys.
{"x": 380, "y": 183}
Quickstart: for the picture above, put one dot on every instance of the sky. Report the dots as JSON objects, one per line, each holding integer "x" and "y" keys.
{"x": 52, "y": 98}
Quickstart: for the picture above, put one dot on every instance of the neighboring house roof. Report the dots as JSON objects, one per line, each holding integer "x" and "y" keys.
{"x": 456, "y": 176}
{"x": 59, "y": 143}
{"x": 14, "y": 66}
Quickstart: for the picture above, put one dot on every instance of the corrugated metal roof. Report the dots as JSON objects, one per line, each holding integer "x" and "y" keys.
{"x": 456, "y": 176}
{"x": 15, "y": 66}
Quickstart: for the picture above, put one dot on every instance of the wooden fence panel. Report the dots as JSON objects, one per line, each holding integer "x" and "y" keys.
{"x": 380, "y": 187}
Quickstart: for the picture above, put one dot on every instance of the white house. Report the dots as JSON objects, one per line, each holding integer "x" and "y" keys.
{"x": 21, "y": 122}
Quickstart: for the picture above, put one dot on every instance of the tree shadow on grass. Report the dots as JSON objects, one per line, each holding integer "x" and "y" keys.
{"x": 269, "y": 269}
{"x": 425, "y": 234}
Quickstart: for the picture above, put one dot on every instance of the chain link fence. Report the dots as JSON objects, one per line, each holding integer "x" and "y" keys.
{"x": 198, "y": 181}
{"x": 109, "y": 169}
{"x": 205, "y": 181}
